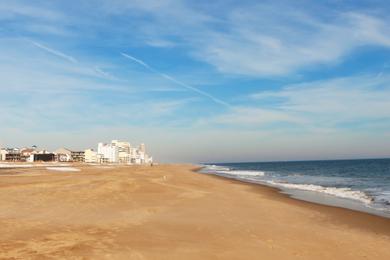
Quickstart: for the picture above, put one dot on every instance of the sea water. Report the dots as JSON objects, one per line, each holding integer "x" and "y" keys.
{"x": 362, "y": 185}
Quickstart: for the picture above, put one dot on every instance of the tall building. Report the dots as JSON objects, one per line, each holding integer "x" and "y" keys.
{"x": 109, "y": 152}
{"x": 142, "y": 148}
{"x": 122, "y": 152}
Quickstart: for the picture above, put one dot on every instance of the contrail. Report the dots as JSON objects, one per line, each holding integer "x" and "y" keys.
{"x": 55, "y": 52}
{"x": 100, "y": 73}
{"x": 205, "y": 94}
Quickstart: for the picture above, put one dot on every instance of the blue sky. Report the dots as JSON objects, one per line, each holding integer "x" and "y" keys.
{"x": 198, "y": 81}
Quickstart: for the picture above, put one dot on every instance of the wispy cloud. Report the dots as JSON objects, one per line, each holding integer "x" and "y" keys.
{"x": 336, "y": 101}
{"x": 10, "y": 9}
{"x": 180, "y": 83}
{"x": 328, "y": 106}
{"x": 244, "y": 116}
{"x": 343, "y": 98}
{"x": 55, "y": 52}
{"x": 273, "y": 38}
{"x": 285, "y": 46}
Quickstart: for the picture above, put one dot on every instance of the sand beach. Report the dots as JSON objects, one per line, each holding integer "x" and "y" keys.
{"x": 171, "y": 212}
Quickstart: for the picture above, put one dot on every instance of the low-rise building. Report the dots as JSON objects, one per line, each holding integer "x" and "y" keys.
{"x": 42, "y": 157}
{"x": 25, "y": 153}
{"x": 78, "y": 156}
{"x": 63, "y": 155}
{"x": 11, "y": 154}
{"x": 90, "y": 156}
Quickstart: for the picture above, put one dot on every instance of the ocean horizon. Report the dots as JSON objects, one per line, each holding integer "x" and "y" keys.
{"x": 358, "y": 184}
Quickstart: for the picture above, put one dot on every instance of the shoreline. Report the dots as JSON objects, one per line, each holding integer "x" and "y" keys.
{"x": 360, "y": 196}
{"x": 366, "y": 220}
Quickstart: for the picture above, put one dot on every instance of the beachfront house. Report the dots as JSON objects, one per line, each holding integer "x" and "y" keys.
{"x": 78, "y": 156}
{"x": 25, "y": 153}
{"x": 63, "y": 155}
{"x": 10, "y": 154}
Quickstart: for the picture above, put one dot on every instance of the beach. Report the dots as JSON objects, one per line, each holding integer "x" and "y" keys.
{"x": 171, "y": 212}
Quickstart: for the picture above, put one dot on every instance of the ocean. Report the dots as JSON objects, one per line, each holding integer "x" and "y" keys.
{"x": 362, "y": 185}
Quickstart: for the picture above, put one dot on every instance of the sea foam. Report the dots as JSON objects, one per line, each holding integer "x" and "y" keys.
{"x": 243, "y": 173}
{"x": 226, "y": 170}
{"x": 345, "y": 193}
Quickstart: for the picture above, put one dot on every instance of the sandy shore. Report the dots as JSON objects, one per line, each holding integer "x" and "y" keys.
{"x": 170, "y": 212}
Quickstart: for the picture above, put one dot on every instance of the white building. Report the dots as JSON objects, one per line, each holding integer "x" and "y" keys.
{"x": 3, "y": 153}
{"x": 63, "y": 155}
{"x": 122, "y": 152}
{"x": 108, "y": 152}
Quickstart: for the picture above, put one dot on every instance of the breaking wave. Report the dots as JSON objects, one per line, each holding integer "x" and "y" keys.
{"x": 345, "y": 193}
{"x": 228, "y": 171}
{"x": 243, "y": 173}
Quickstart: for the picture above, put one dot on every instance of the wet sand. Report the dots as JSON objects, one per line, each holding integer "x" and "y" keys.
{"x": 171, "y": 212}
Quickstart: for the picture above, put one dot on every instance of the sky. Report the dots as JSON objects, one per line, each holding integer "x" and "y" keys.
{"x": 198, "y": 81}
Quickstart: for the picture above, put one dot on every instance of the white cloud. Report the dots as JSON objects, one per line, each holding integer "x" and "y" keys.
{"x": 320, "y": 107}
{"x": 259, "y": 45}
{"x": 11, "y": 9}
{"x": 267, "y": 39}
{"x": 253, "y": 116}
{"x": 334, "y": 101}
{"x": 360, "y": 97}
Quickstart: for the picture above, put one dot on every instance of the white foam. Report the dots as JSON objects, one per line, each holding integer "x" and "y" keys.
{"x": 217, "y": 168}
{"x": 346, "y": 193}
{"x": 243, "y": 173}
{"x": 63, "y": 169}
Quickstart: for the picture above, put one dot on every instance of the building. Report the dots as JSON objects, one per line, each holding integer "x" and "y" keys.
{"x": 3, "y": 153}
{"x": 78, "y": 156}
{"x": 108, "y": 152}
{"x": 122, "y": 152}
{"x": 63, "y": 155}
{"x": 90, "y": 156}
{"x": 10, "y": 154}
{"x": 25, "y": 153}
{"x": 66, "y": 155}
{"x": 142, "y": 148}
{"x": 42, "y": 157}
{"x": 114, "y": 152}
